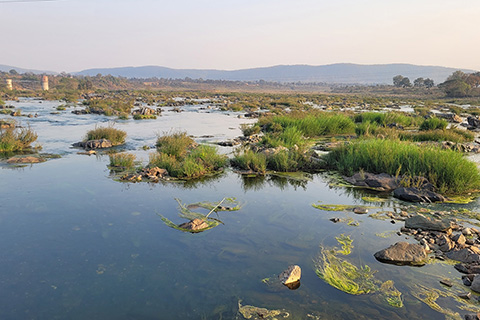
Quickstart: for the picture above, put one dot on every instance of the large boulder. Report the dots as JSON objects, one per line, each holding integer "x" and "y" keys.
{"x": 290, "y": 275}
{"x": 403, "y": 253}
{"x": 473, "y": 121}
{"x": 476, "y": 283}
{"x": 413, "y": 194}
{"x": 425, "y": 223}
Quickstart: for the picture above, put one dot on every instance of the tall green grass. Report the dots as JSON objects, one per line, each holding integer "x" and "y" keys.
{"x": 175, "y": 144}
{"x": 434, "y": 123}
{"x": 122, "y": 160}
{"x": 250, "y": 161}
{"x": 384, "y": 119}
{"x": 115, "y": 136}
{"x": 447, "y": 170}
{"x": 182, "y": 158}
{"x": 310, "y": 125}
{"x": 12, "y": 139}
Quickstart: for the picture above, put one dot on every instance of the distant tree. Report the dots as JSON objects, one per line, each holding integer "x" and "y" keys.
{"x": 397, "y": 81}
{"x": 405, "y": 83}
{"x": 419, "y": 82}
{"x": 458, "y": 75}
{"x": 455, "y": 88}
{"x": 13, "y": 72}
{"x": 473, "y": 80}
{"x": 428, "y": 83}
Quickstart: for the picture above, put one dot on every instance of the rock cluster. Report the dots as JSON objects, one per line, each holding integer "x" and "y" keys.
{"x": 94, "y": 144}
{"x": 145, "y": 111}
{"x": 387, "y": 183}
{"x": 153, "y": 174}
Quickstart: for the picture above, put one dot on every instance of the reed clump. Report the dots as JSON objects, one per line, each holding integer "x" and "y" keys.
{"x": 12, "y": 139}
{"x": 449, "y": 171}
{"x": 122, "y": 160}
{"x": 115, "y": 136}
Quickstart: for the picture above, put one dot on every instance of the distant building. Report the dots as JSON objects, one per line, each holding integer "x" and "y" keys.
{"x": 9, "y": 84}
{"x": 45, "y": 83}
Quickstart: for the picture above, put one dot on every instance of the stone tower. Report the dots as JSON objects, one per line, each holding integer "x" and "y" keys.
{"x": 45, "y": 83}
{"x": 9, "y": 84}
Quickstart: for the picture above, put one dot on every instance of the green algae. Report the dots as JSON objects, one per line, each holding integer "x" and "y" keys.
{"x": 385, "y": 234}
{"x": 374, "y": 199}
{"x": 429, "y": 296}
{"x": 460, "y": 199}
{"x": 340, "y": 273}
{"x": 187, "y": 213}
{"x": 391, "y": 295}
{"x": 346, "y": 243}
{"x": 256, "y": 313}
{"x": 333, "y": 207}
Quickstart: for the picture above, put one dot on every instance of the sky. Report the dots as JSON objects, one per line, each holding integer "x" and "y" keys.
{"x": 73, "y": 35}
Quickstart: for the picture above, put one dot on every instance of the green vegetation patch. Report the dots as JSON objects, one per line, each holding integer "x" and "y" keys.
{"x": 250, "y": 161}
{"x": 122, "y": 161}
{"x": 144, "y": 116}
{"x": 16, "y": 139}
{"x": 115, "y": 136}
{"x": 447, "y": 170}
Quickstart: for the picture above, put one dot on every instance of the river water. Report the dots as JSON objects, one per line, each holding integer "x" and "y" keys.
{"x": 76, "y": 244}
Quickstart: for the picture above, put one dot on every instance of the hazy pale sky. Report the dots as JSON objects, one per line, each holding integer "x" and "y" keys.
{"x": 72, "y": 35}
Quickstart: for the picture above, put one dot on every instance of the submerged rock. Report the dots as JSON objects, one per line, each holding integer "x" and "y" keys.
{"x": 381, "y": 182}
{"x": 403, "y": 253}
{"x": 194, "y": 225}
{"x": 28, "y": 159}
{"x": 413, "y": 194}
{"x": 254, "y": 313}
{"x": 290, "y": 275}
{"x": 425, "y": 223}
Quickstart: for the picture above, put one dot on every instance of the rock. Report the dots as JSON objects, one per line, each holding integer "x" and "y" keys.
{"x": 421, "y": 222}
{"x": 467, "y": 231}
{"x": 444, "y": 243}
{"x": 476, "y": 283}
{"x": 463, "y": 255}
{"x": 472, "y": 316}
{"x": 94, "y": 144}
{"x": 28, "y": 159}
{"x": 381, "y": 182}
{"x": 154, "y": 173}
{"x": 290, "y": 275}
{"x": 461, "y": 267}
{"x": 473, "y": 121}
{"x": 335, "y": 220}
{"x": 194, "y": 225}
{"x": 413, "y": 194}
{"x": 446, "y": 282}
{"x": 132, "y": 177}
{"x": 403, "y": 253}
{"x": 145, "y": 111}
{"x": 459, "y": 239}
{"x": 360, "y": 210}
{"x": 465, "y": 295}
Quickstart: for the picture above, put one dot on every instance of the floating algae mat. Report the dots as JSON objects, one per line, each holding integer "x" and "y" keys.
{"x": 256, "y": 313}
{"x": 199, "y": 222}
{"x": 345, "y": 276}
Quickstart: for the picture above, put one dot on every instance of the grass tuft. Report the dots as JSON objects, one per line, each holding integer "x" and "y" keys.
{"x": 115, "y": 136}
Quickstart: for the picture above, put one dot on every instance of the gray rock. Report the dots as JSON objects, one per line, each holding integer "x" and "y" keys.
{"x": 94, "y": 144}
{"x": 464, "y": 255}
{"x": 446, "y": 282}
{"x": 459, "y": 239}
{"x": 292, "y": 274}
{"x": 360, "y": 210}
{"x": 403, "y": 253}
{"x": 413, "y": 194}
{"x": 476, "y": 283}
{"x": 381, "y": 182}
{"x": 425, "y": 223}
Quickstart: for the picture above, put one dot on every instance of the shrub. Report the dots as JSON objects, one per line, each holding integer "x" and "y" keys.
{"x": 447, "y": 170}
{"x": 144, "y": 116}
{"x": 175, "y": 144}
{"x": 115, "y": 136}
{"x": 122, "y": 160}
{"x": 251, "y": 161}
{"x": 433, "y": 123}
{"x": 12, "y": 139}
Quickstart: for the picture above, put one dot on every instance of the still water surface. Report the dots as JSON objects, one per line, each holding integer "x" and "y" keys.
{"x": 75, "y": 244}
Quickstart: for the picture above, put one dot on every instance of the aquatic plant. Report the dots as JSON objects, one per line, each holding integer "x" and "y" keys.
{"x": 122, "y": 160}
{"x": 12, "y": 139}
{"x": 346, "y": 243}
{"x": 175, "y": 144}
{"x": 433, "y": 123}
{"x": 391, "y": 294}
{"x": 333, "y": 207}
{"x": 250, "y": 161}
{"x": 386, "y": 118}
{"x": 447, "y": 170}
{"x": 429, "y": 296}
{"x": 115, "y": 136}
{"x": 186, "y": 212}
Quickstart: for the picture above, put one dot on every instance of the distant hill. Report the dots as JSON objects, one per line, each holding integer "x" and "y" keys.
{"x": 5, "y": 68}
{"x": 345, "y": 73}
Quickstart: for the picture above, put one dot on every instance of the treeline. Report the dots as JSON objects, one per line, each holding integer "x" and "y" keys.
{"x": 458, "y": 85}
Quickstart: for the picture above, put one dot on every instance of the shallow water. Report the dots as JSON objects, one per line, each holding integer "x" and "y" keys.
{"x": 78, "y": 245}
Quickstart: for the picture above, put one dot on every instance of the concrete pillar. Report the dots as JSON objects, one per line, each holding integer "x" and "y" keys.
{"x": 45, "y": 83}
{"x": 9, "y": 84}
